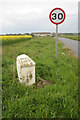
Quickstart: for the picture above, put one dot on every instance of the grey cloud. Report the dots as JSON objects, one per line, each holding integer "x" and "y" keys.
{"x": 22, "y": 16}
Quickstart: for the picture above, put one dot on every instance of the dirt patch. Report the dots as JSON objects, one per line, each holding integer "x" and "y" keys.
{"x": 42, "y": 83}
{"x": 65, "y": 48}
{"x": 68, "y": 50}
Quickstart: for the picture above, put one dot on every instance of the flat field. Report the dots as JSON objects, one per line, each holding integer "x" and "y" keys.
{"x": 6, "y": 40}
{"x": 71, "y": 37}
{"x": 56, "y": 100}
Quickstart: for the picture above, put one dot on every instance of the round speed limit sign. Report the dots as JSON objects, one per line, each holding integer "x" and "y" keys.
{"x": 57, "y": 16}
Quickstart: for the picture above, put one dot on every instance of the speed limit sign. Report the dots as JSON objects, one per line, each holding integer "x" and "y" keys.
{"x": 57, "y": 16}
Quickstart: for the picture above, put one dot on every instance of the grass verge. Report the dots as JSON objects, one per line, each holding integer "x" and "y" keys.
{"x": 71, "y": 37}
{"x": 58, "y": 100}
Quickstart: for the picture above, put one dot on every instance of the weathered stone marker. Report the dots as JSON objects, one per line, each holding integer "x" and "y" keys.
{"x": 26, "y": 69}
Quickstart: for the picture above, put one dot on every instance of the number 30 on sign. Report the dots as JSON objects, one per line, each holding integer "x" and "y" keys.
{"x": 57, "y": 16}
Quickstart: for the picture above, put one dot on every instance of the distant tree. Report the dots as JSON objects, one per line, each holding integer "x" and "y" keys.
{"x": 68, "y": 34}
{"x": 19, "y": 34}
{"x": 7, "y": 34}
{"x": 27, "y": 33}
{"x": 32, "y": 34}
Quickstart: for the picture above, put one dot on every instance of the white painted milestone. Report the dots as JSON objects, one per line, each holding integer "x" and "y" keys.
{"x": 26, "y": 69}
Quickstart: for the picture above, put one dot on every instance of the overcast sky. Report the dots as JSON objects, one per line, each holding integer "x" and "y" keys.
{"x": 21, "y": 16}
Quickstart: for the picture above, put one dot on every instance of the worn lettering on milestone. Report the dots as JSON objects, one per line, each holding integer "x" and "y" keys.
{"x": 26, "y": 69}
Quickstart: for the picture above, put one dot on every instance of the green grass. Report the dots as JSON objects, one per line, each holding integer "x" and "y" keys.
{"x": 71, "y": 37}
{"x": 59, "y": 100}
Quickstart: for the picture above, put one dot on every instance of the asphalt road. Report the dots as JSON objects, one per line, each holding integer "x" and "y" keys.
{"x": 73, "y": 44}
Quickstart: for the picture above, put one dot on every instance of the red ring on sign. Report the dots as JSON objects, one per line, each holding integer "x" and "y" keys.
{"x": 51, "y": 13}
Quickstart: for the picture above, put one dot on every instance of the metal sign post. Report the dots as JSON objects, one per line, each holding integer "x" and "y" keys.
{"x": 57, "y": 16}
{"x": 56, "y": 39}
